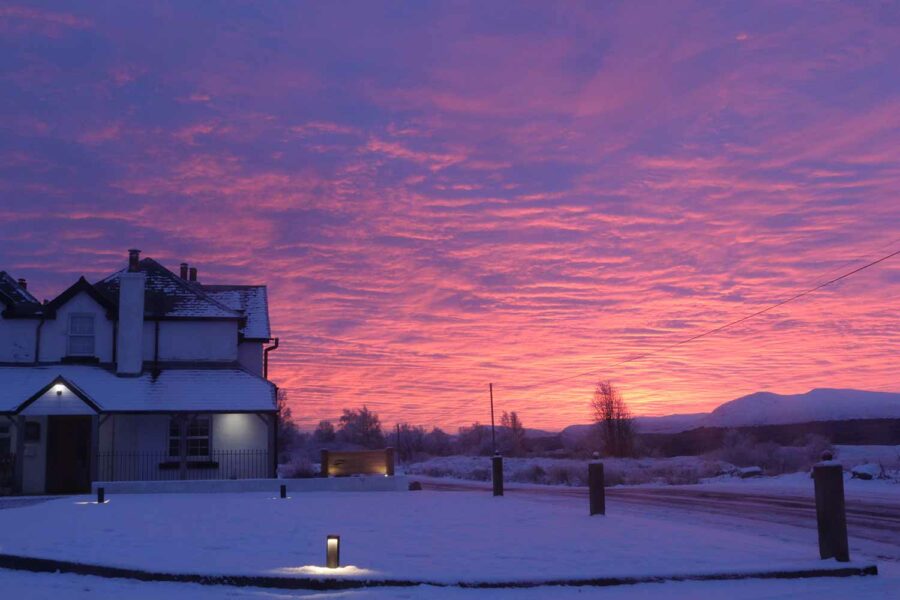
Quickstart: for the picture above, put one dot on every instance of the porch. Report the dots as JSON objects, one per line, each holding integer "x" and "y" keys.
{"x": 63, "y": 427}
{"x": 63, "y": 454}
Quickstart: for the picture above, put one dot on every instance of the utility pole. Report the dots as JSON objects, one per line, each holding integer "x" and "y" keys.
{"x": 493, "y": 434}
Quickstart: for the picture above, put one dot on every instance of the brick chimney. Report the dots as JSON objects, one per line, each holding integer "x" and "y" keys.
{"x": 193, "y": 276}
{"x": 22, "y": 283}
{"x": 184, "y": 271}
{"x": 134, "y": 258}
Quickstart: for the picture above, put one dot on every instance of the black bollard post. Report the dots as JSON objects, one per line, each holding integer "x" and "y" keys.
{"x": 283, "y": 490}
{"x": 595, "y": 487}
{"x": 101, "y": 495}
{"x": 497, "y": 474}
{"x": 831, "y": 515}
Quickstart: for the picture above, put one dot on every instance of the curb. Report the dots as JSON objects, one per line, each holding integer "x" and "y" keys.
{"x": 46, "y": 565}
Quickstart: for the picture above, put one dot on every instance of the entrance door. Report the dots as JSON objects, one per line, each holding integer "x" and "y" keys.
{"x": 68, "y": 454}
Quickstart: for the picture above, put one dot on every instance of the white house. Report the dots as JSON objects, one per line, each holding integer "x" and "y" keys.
{"x": 144, "y": 375}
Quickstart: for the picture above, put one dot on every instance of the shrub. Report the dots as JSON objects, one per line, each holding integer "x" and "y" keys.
{"x": 530, "y": 474}
{"x": 298, "y": 467}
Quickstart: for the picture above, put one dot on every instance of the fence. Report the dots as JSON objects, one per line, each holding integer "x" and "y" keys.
{"x": 7, "y": 473}
{"x": 159, "y": 466}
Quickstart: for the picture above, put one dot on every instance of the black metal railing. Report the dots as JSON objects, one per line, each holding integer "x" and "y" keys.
{"x": 160, "y": 466}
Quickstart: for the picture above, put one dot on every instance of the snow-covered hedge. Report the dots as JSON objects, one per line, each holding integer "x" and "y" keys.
{"x": 549, "y": 471}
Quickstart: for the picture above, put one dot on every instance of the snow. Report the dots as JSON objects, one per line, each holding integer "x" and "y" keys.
{"x": 868, "y": 471}
{"x": 887, "y": 456}
{"x": 182, "y": 299}
{"x": 433, "y": 536}
{"x": 251, "y": 300}
{"x": 746, "y": 472}
{"x": 799, "y": 484}
{"x": 31, "y": 586}
{"x": 766, "y": 408}
{"x": 210, "y": 389}
{"x": 628, "y": 471}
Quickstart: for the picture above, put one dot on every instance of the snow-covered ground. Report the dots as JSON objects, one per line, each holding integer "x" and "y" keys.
{"x": 30, "y": 586}
{"x": 430, "y": 536}
{"x": 440, "y": 536}
{"x": 850, "y": 456}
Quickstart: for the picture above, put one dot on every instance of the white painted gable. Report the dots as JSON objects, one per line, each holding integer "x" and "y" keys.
{"x": 65, "y": 403}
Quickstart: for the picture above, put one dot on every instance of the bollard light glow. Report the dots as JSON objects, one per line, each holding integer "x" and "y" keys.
{"x": 333, "y": 551}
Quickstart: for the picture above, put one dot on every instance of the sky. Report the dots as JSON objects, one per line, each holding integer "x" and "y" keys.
{"x": 443, "y": 195}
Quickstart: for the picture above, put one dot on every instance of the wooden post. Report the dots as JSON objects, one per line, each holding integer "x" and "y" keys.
{"x": 389, "y": 462}
{"x": 831, "y": 515}
{"x": 323, "y": 469}
{"x": 595, "y": 488}
{"x": 497, "y": 474}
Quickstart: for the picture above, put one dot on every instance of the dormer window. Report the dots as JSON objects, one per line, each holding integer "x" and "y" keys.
{"x": 81, "y": 334}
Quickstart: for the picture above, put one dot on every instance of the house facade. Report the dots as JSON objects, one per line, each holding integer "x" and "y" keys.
{"x": 143, "y": 375}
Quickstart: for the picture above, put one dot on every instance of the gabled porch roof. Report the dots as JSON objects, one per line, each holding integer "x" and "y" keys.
{"x": 189, "y": 390}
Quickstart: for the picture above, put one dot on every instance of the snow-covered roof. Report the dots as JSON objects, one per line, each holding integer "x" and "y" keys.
{"x": 15, "y": 296}
{"x": 168, "y": 295}
{"x": 221, "y": 389}
{"x": 251, "y": 300}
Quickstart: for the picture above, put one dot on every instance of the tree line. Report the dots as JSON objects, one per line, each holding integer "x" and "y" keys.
{"x": 361, "y": 428}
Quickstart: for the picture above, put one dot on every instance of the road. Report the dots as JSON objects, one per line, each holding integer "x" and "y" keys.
{"x": 873, "y": 526}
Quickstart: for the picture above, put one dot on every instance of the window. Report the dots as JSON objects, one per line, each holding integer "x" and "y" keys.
{"x": 81, "y": 335}
{"x": 5, "y": 438}
{"x": 197, "y": 437}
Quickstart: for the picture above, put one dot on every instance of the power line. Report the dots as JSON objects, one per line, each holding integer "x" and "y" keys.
{"x": 711, "y": 331}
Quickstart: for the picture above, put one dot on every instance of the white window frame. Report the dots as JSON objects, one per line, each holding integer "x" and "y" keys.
{"x": 73, "y": 334}
{"x": 177, "y": 440}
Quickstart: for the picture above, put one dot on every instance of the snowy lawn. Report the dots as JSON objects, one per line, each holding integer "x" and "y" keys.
{"x": 32, "y": 586}
{"x": 432, "y": 536}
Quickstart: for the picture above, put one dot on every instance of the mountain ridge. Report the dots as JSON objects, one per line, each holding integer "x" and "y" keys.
{"x": 770, "y": 408}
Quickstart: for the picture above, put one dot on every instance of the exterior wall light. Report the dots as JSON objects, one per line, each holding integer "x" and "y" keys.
{"x": 58, "y": 388}
{"x": 333, "y": 551}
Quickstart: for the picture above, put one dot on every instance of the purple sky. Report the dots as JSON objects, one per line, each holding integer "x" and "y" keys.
{"x": 441, "y": 195}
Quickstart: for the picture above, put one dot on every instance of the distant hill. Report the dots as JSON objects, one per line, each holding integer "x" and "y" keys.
{"x": 767, "y": 408}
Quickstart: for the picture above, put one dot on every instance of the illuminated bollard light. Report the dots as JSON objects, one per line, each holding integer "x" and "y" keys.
{"x": 333, "y": 551}
{"x": 283, "y": 491}
{"x": 101, "y": 495}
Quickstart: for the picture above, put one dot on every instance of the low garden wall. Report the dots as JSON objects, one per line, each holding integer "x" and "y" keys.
{"x": 371, "y": 483}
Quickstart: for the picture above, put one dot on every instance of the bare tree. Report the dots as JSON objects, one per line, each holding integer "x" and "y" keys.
{"x": 474, "y": 439}
{"x": 288, "y": 433}
{"x": 514, "y": 433}
{"x": 614, "y": 421}
{"x": 411, "y": 440}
